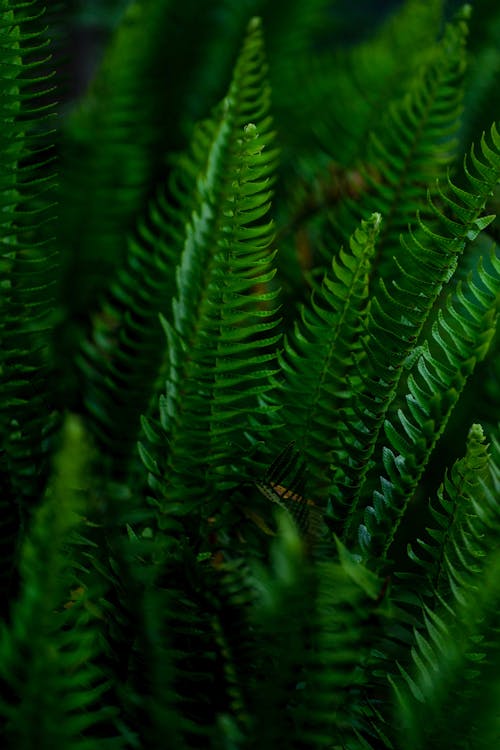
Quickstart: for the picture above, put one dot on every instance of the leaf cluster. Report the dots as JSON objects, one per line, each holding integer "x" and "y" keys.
{"x": 249, "y": 437}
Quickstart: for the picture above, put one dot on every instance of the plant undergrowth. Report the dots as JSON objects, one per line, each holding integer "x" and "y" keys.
{"x": 250, "y": 448}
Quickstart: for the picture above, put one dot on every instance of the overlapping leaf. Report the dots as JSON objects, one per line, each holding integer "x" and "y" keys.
{"x": 399, "y": 312}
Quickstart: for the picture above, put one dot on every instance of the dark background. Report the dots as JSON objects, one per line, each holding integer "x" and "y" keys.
{"x": 92, "y": 23}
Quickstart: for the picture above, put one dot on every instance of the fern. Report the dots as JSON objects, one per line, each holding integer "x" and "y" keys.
{"x": 484, "y": 70}
{"x": 442, "y": 662}
{"x": 123, "y": 151}
{"x": 127, "y": 337}
{"x": 289, "y": 306}
{"x": 27, "y": 265}
{"x": 461, "y": 337}
{"x": 320, "y": 357}
{"x": 216, "y": 360}
{"x": 51, "y": 688}
{"x": 318, "y": 655}
{"x": 394, "y": 325}
{"x": 455, "y": 549}
{"x": 413, "y": 146}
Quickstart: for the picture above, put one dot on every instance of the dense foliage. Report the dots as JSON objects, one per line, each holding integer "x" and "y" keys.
{"x": 250, "y": 448}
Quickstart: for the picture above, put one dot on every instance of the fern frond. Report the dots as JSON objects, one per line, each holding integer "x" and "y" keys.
{"x": 433, "y": 701}
{"x": 222, "y": 335}
{"x": 312, "y": 657}
{"x": 293, "y": 35}
{"x": 448, "y": 560}
{"x": 173, "y": 688}
{"x": 52, "y": 693}
{"x": 124, "y": 350}
{"x": 367, "y": 82}
{"x": 466, "y": 521}
{"x": 194, "y": 659}
{"x": 27, "y": 257}
{"x": 460, "y": 338}
{"x": 398, "y": 314}
{"x": 319, "y": 357}
{"x": 126, "y": 343}
{"x": 368, "y": 76}
{"x": 410, "y": 149}
{"x": 451, "y": 558}
{"x": 119, "y": 128}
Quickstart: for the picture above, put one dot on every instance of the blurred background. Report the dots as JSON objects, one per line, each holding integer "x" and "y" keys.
{"x": 91, "y": 22}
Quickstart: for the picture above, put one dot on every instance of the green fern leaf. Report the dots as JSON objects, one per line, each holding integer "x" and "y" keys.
{"x": 398, "y": 314}
{"x": 222, "y": 338}
{"x": 27, "y": 258}
{"x": 318, "y": 653}
{"x": 412, "y": 147}
{"x": 432, "y": 699}
{"x": 460, "y": 338}
{"x": 52, "y": 693}
{"x": 320, "y": 357}
{"x": 124, "y": 349}
{"x": 133, "y": 113}
{"x": 369, "y": 76}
